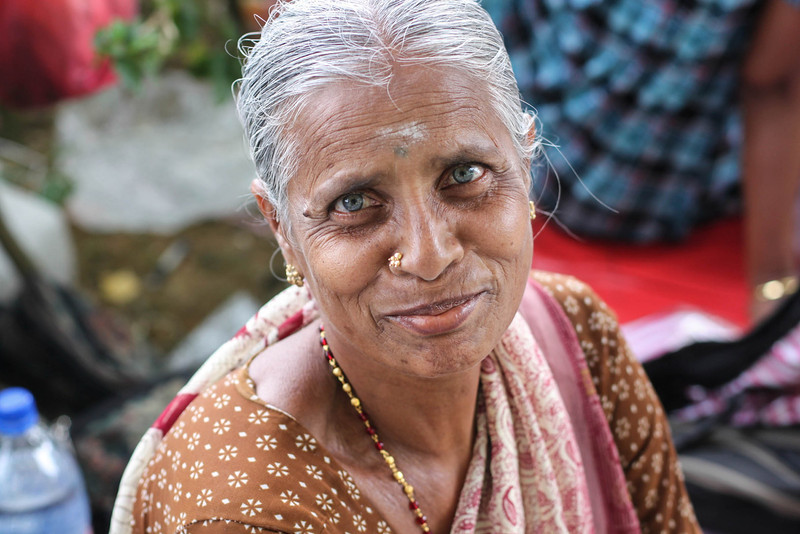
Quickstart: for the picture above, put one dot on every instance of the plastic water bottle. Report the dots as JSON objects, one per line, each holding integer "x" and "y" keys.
{"x": 41, "y": 486}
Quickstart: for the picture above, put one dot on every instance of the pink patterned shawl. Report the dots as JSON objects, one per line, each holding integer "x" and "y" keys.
{"x": 529, "y": 470}
{"x": 535, "y": 480}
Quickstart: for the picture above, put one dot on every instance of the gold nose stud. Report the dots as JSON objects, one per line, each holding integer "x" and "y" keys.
{"x": 394, "y": 261}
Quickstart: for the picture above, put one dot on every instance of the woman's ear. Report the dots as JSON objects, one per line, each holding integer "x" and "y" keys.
{"x": 531, "y": 137}
{"x": 271, "y": 215}
{"x": 530, "y": 141}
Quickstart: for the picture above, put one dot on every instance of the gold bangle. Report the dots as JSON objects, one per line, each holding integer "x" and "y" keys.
{"x": 776, "y": 289}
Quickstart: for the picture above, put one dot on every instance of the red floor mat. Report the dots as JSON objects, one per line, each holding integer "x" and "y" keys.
{"x": 707, "y": 271}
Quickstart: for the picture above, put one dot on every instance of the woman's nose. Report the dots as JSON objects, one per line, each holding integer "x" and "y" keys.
{"x": 429, "y": 244}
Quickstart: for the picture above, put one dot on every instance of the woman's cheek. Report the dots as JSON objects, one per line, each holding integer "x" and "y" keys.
{"x": 342, "y": 269}
{"x": 506, "y": 231}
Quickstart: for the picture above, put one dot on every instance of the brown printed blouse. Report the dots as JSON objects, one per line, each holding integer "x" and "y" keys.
{"x": 233, "y": 464}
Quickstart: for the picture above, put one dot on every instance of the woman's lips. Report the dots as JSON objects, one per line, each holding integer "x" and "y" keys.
{"x": 438, "y": 318}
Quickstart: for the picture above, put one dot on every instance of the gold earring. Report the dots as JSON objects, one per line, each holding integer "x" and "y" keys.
{"x": 532, "y": 209}
{"x": 293, "y": 275}
{"x": 394, "y": 261}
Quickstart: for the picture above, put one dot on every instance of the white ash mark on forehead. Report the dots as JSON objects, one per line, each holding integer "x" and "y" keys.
{"x": 408, "y": 133}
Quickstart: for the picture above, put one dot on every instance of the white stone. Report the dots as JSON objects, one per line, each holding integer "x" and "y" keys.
{"x": 216, "y": 329}
{"x": 157, "y": 161}
{"x": 41, "y": 230}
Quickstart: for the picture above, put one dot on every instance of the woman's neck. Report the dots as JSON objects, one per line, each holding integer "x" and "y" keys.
{"x": 427, "y": 424}
{"x": 428, "y": 417}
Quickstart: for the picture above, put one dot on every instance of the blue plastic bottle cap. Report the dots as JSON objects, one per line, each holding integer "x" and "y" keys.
{"x": 17, "y": 411}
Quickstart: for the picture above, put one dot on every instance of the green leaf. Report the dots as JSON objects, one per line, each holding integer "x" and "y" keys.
{"x": 57, "y": 187}
{"x": 129, "y": 74}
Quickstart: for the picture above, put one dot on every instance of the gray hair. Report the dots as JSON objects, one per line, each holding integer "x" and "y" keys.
{"x": 308, "y": 44}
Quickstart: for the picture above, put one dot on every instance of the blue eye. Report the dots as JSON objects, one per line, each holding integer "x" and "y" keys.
{"x": 466, "y": 173}
{"x": 351, "y": 202}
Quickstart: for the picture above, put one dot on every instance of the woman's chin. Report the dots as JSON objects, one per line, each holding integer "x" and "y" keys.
{"x": 459, "y": 350}
{"x": 431, "y": 366}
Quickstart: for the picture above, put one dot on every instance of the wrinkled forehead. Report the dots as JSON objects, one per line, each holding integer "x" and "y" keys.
{"x": 418, "y": 103}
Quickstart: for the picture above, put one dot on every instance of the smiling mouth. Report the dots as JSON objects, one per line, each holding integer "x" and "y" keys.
{"x": 437, "y": 318}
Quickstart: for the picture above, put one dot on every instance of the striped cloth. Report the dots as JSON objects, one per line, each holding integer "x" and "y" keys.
{"x": 768, "y": 393}
{"x": 640, "y": 99}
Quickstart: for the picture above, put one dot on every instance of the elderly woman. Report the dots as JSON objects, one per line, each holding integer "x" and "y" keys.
{"x": 419, "y": 378}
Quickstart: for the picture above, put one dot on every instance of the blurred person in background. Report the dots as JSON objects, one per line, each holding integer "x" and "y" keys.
{"x": 666, "y": 115}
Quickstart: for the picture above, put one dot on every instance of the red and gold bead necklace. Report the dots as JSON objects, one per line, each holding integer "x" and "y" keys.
{"x": 408, "y": 489}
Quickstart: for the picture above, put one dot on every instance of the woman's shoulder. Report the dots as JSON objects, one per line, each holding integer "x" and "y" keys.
{"x": 634, "y": 414}
{"x": 591, "y": 318}
{"x": 596, "y": 329}
{"x": 205, "y": 468}
{"x": 574, "y": 295}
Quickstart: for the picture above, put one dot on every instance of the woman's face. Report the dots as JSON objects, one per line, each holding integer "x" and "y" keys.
{"x": 425, "y": 169}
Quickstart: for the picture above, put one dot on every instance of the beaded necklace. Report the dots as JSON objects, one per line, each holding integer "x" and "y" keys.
{"x": 408, "y": 489}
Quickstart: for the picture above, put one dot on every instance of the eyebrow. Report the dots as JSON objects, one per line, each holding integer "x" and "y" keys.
{"x": 473, "y": 152}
